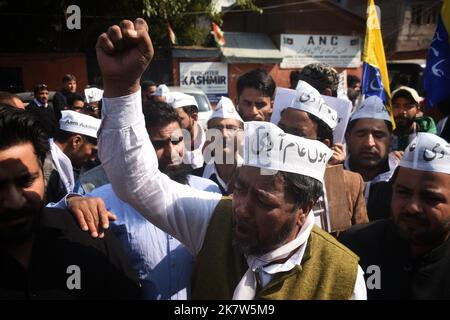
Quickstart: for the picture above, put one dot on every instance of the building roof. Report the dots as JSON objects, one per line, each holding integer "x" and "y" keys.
{"x": 243, "y": 47}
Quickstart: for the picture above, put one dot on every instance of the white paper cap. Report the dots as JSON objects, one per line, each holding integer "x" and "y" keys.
{"x": 161, "y": 90}
{"x": 225, "y": 109}
{"x": 427, "y": 152}
{"x": 371, "y": 108}
{"x": 283, "y": 100}
{"x": 268, "y": 147}
{"x": 181, "y": 100}
{"x": 80, "y": 123}
{"x": 93, "y": 94}
{"x": 308, "y": 99}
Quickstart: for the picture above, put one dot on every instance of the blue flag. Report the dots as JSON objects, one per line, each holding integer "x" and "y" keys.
{"x": 437, "y": 72}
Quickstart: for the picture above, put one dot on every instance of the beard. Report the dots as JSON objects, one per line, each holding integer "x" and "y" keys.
{"x": 18, "y": 226}
{"x": 263, "y": 246}
{"x": 179, "y": 173}
{"x": 403, "y": 124}
{"x": 417, "y": 229}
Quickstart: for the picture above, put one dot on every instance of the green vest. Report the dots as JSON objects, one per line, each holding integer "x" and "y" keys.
{"x": 328, "y": 269}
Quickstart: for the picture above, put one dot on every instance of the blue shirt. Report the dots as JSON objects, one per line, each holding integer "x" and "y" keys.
{"x": 161, "y": 262}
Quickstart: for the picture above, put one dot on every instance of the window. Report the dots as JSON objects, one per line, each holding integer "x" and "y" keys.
{"x": 423, "y": 15}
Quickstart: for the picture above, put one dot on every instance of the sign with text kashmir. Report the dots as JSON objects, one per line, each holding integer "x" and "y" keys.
{"x": 210, "y": 77}
{"x": 337, "y": 51}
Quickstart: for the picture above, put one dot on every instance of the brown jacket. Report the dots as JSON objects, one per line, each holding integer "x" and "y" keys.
{"x": 345, "y": 194}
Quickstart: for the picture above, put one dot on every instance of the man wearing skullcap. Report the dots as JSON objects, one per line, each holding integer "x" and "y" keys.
{"x": 304, "y": 113}
{"x": 262, "y": 243}
{"x": 187, "y": 109}
{"x": 224, "y": 126}
{"x": 411, "y": 251}
{"x": 369, "y": 137}
{"x": 74, "y": 144}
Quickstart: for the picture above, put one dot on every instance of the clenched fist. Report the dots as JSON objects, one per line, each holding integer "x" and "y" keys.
{"x": 123, "y": 53}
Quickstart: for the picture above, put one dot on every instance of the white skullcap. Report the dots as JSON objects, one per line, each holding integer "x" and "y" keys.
{"x": 371, "y": 108}
{"x": 427, "y": 152}
{"x": 225, "y": 110}
{"x": 181, "y": 100}
{"x": 268, "y": 147}
{"x": 308, "y": 99}
{"x": 161, "y": 90}
{"x": 283, "y": 99}
{"x": 93, "y": 94}
{"x": 80, "y": 123}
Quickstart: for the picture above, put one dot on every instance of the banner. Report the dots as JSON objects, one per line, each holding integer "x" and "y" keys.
{"x": 337, "y": 51}
{"x": 210, "y": 77}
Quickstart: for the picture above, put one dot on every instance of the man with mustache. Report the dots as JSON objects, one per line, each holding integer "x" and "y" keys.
{"x": 224, "y": 129}
{"x": 163, "y": 264}
{"x": 412, "y": 250}
{"x": 368, "y": 137}
{"x": 187, "y": 109}
{"x": 74, "y": 144}
{"x": 405, "y": 106}
{"x": 255, "y": 91}
{"x": 262, "y": 243}
{"x": 303, "y": 112}
{"x": 43, "y": 253}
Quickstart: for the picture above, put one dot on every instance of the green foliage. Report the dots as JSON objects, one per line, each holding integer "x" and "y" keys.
{"x": 184, "y": 17}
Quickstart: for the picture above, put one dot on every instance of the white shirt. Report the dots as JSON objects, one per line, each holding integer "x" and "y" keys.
{"x": 195, "y": 157}
{"x": 63, "y": 166}
{"x": 130, "y": 162}
{"x": 210, "y": 169}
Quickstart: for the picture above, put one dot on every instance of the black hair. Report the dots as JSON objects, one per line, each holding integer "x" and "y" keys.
{"x": 63, "y": 136}
{"x": 323, "y": 130}
{"x": 147, "y": 83}
{"x": 39, "y": 87}
{"x": 72, "y": 97}
{"x": 190, "y": 110}
{"x": 69, "y": 77}
{"x": 294, "y": 76}
{"x": 257, "y": 79}
{"x": 352, "y": 80}
{"x": 18, "y": 126}
{"x": 302, "y": 188}
{"x": 321, "y": 76}
{"x": 159, "y": 114}
{"x": 351, "y": 124}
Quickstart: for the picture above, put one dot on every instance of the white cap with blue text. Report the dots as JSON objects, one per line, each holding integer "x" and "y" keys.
{"x": 268, "y": 147}
{"x": 427, "y": 152}
{"x": 371, "y": 108}
{"x": 80, "y": 123}
{"x": 304, "y": 98}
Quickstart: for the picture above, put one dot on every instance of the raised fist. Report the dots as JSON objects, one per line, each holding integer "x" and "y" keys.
{"x": 123, "y": 53}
